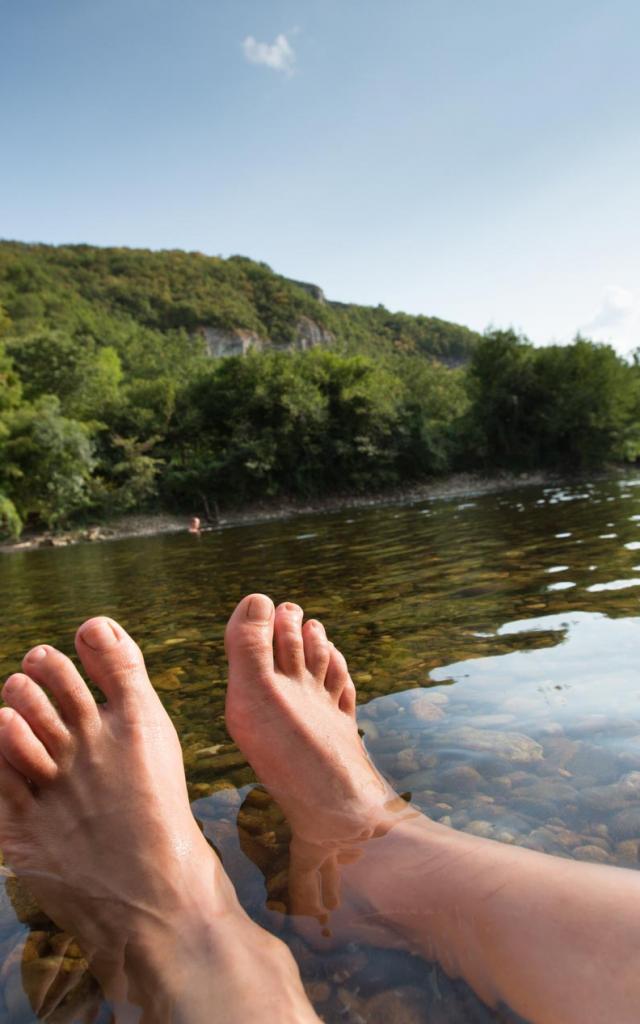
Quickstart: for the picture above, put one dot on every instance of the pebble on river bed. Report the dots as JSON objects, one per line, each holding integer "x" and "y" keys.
{"x": 405, "y": 1005}
{"x": 512, "y": 746}
{"x": 626, "y": 824}
{"x": 592, "y": 853}
{"x": 26, "y": 909}
{"x": 629, "y": 851}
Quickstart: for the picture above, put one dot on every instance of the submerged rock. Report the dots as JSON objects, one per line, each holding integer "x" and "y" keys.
{"x": 590, "y": 762}
{"x": 461, "y": 779}
{"x": 26, "y": 909}
{"x": 405, "y": 1005}
{"x": 480, "y": 828}
{"x": 626, "y": 824}
{"x": 514, "y": 747}
{"x": 426, "y": 708}
{"x": 592, "y": 853}
{"x": 628, "y": 851}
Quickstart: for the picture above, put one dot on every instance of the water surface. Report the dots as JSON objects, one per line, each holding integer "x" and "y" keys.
{"x": 494, "y": 643}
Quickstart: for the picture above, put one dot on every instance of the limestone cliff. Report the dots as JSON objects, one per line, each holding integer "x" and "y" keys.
{"x": 235, "y": 341}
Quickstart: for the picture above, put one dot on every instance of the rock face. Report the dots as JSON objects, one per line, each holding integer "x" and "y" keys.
{"x": 236, "y": 341}
{"x": 230, "y": 342}
{"x": 309, "y": 334}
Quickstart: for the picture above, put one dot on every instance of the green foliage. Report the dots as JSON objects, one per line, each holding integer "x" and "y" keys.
{"x": 130, "y": 480}
{"x": 5, "y": 321}
{"x": 48, "y": 461}
{"x": 296, "y": 423}
{"x": 108, "y": 293}
{"x": 10, "y": 384}
{"x": 10, "y": 521}
{"x": 84, "y": 377}
{"x": 109, "y": 400}
{"x": 570, "y": 406}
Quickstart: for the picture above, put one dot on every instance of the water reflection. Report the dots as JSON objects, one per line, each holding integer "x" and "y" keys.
{"x": 504, "y": 701}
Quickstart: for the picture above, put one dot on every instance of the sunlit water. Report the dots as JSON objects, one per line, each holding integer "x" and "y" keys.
{"x": 494, "y": 643}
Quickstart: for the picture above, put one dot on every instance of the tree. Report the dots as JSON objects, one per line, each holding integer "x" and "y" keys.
{"x": 591, "y": 408}
{"x": 48, "y": 463}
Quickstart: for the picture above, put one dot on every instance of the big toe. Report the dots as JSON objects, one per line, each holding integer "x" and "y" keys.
{"x": 249, "y": 640}
{"x": 113, "y": 661}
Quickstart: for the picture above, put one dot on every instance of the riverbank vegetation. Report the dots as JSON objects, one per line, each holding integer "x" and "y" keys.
{"x": 110, "y": 401}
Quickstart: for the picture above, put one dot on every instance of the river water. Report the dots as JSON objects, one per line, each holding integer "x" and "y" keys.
{"x": 494, "y": 644}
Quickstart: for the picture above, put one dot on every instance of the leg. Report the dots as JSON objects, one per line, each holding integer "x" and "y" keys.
{"x": 555, "y": 940}
{"x": 94, "y": 816}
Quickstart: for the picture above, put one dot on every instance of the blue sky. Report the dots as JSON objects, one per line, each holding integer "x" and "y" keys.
{"x": 476, "y": 160}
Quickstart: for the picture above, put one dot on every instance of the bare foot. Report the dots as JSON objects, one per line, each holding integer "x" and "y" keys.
{"x": 94, "y": 816}
{"x": 291, "y": 710}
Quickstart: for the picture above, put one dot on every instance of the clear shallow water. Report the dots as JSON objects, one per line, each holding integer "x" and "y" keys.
{"x": 494, "y": 643}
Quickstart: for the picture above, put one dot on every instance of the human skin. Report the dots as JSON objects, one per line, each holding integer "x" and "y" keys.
{"x": 95, "y": 818}
{"x": 555, "y": 940}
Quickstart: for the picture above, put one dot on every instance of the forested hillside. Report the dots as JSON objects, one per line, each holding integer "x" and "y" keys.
{"x": 110, "y": 400}
{"x": 83, "y": 289}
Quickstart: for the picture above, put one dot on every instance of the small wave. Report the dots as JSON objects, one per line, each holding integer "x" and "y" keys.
{"x": 614, "y": 585}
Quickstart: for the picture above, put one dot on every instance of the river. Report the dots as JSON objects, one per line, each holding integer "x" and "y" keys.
{"x": 494, "y": 643}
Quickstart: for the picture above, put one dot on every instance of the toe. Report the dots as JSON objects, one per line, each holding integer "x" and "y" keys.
{"x": 249, "y": 640}
{"x": 317, "y": 649}
{"x": 15, "y": 792}
{"x": 347, "y": 701}
{"x": 338, "y": 681}
{"x": 59, "y": 675}
{"x": 287, "y": 640}
{"x": 23, "y": 750}
{"x": 25, "y": 696}
{"x": 114, "y": 662}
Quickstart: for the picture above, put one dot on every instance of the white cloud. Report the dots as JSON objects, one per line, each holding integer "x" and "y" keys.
{"x": 617, "y": 305}
{"x": 278, "y": 55}
{"x": 616, "y": 320}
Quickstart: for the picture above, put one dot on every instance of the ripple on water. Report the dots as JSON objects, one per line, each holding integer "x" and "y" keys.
{"x": 596, "y": 588}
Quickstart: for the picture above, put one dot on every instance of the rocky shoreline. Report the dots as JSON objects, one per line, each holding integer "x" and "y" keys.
{"x": 460, "y": 485}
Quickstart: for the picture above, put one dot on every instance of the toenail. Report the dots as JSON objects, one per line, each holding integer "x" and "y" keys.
{"x": 260, "y": 608}
{"x": 293, "y": 608}
{"x": 37, "y": 654}
{"x": 6, "y": 716}
{"x": 319, "y": 628}
{"x": 99, "y": 634}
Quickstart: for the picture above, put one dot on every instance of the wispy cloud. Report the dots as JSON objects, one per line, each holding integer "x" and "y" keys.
{"x": 278, "y": 55}
{"x": 617, "y": 306}
{"x": 616, "y": 320}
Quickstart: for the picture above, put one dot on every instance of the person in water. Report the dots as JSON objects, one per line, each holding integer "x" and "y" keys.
{"x": 94, "y": 816}
{"x": 194, "y": 525}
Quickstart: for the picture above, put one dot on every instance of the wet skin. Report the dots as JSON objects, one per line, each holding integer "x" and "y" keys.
{"x": 519, "y": 926}
{"x": 94, "y": 816}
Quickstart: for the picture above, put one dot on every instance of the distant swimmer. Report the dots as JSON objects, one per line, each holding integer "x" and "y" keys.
{"x": 194, "y": 525}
